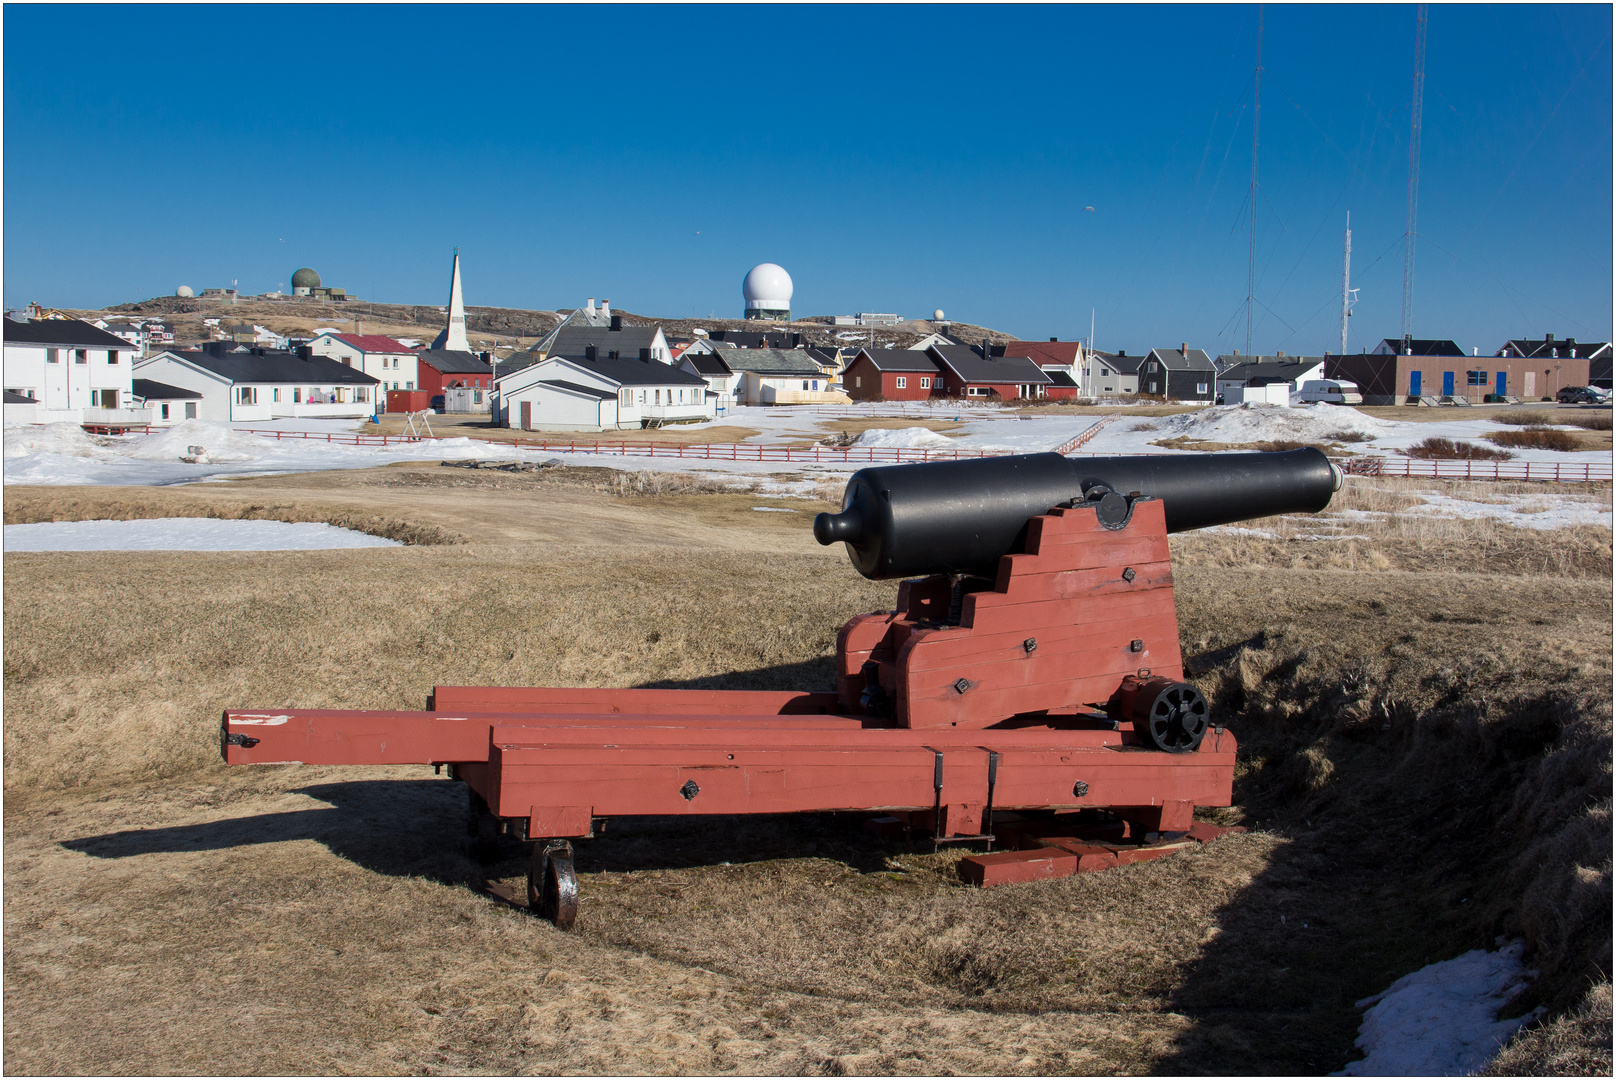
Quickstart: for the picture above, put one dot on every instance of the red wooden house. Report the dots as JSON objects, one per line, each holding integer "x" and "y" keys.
{"x": 892, "y": 375}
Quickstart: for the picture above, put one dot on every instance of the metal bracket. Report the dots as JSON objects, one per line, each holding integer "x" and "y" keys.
{"x": 690, "y": 790}
{"x": 235, "y": 738}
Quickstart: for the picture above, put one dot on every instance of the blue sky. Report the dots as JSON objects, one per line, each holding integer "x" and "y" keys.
{"x": 891, "y": 158}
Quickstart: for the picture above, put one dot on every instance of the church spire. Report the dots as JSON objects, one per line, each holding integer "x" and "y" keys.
{"x": 454, "y": 333}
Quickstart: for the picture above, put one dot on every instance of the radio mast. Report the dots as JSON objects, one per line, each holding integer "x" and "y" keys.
{"x": 1256, "y": 124}
{"x": 1346, "y": 284}
{"x": 1413, "y": 179}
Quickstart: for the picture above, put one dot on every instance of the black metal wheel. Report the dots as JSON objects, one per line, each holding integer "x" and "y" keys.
{"x": 1173, "y": 719}
{"x": 552, "y": 884}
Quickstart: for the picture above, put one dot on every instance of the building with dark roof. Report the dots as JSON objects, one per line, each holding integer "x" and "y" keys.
{"x": 77, "y": 373}
{"x": 391, "y": 362}
{"x": 1417, "y": 347}
{"x": 168, "y": 404}
{"x": 779, "y": 377}
{"x": 616, "y": 338}
{"x": 1390, "y": 379}
{"x": 1055, "y": 357}
{"x": 1252, "y": 372}
{"x": 1113, "y": 373}
{"x": 1181, "y": 374}
{"x": 599, "y": 393}
{"x": 892, "y": 375}
{"x": 1553, "y": 348}
{"x": 238, "y": 384}
{"x": 984, "y": 372}
{"x": 723, "y": 383}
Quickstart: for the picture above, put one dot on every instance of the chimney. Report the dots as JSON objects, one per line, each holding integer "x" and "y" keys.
{"x": 617, "y": 322}
{"x": 606, "y": 309}
{"x": 645, "y": 355}
{"x": 1184, "y": 348}
{"x": 1054, "y": 339}
{"x": 1548, "y": 339}
{"x": 1570, "y": 346}
{"x": 590, "y": 307}
{"x": 589, "y": 352}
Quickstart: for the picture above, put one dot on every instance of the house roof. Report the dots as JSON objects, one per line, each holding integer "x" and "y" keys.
{"x": 636, "y": 372}
{"x": 453, "y": 362}
{"x": 770, "y": 361}
{"x": 18, "y": 399}
{"x": 1288, "y": 370}
{"x": 1190, "y": 360}
{"x": 969, "y": 366}
{"x": 1061, "y": 378}
{"x": 627, "y": 342}
{"x": 62, "y": 332}
{"x": 274, "y": 366}
{"x": 1564, "y": 347}
{"x": 579, "y": 388}
{"x": 831, "y": 357}
{"x": 709, "y": 363}
{"x": 373, "y": 343}
{"x": 149, "y": 390}
{"x": 1045, "y": 352}
{"x": 1123, "y": 365}
{"x": 899, "y": 360}
{"x": 1425, "y": 346}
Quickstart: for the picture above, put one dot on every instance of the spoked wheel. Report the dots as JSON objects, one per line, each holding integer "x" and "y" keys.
{"x": 552, "y": 885}
{"x": 1171, "y": 717}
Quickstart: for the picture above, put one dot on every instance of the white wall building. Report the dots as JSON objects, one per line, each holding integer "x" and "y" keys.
{"x": 385, "y": 359}
{"x": 243, "y": 386}
{"x": 77, "y": 373}
{"x": 571, "y": 394}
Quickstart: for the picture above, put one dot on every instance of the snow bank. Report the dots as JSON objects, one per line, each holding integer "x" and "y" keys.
{"x": 66, "y": 440}
{"x": 222, "y": 443}
{"x": 1260, "y": 423}
{"x": 186, "y": 534}
{"x": 917, "y": 437}
{"x": 1440, "y": 1020}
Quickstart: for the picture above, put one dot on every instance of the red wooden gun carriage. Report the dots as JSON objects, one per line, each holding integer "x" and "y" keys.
{"x": 1033, "y": 666}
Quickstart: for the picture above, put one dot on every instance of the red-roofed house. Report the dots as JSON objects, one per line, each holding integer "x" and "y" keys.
{"x": 1062, "y": 361}
{"x": 376, "y": 355}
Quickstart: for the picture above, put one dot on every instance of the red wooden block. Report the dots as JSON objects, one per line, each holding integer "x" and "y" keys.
{"x": 1005, "y": 867}
{"x": 1129, "y": 856}
{"x": 1090, "y": 857}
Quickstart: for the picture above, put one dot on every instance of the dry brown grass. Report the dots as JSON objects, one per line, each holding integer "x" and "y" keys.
{"x": 1526, "y": 417}
{"x": 1537, "y": 438}
{"x": 1576, "y": 1043}
{"x": 1590, "y": 421}
{"x": 1411, "y": 738}
{"x": 1266, "y": 446}
{"x": 456, "y": 426}
{"x": 1450, "y": 450}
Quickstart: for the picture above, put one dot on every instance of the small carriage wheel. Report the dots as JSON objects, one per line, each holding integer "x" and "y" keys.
{"x": 1177, "y": 719}
{"x": 552, "y": 885}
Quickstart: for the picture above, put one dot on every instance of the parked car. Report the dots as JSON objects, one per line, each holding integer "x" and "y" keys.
{"x": 1330, "y": 391}
{"x": 1580, "y": 395}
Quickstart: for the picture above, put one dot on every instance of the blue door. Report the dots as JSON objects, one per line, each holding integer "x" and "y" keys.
{"x": 1413, "y": 384}
{"x": 1447, "y": 384}
{"x": 1502, "y": 386}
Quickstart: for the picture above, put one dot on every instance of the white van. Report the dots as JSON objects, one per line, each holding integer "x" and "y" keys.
{"x": 1330, "y": 391}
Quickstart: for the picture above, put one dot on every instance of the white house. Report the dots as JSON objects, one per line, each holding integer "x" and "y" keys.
{"x": 599, "y": 394}
{"x": 392, "y": 363}
{"x": 238, "y": 384}
{"x": 1245, "y": 373}
{"x": 780, "y": 377}
{"x": 77, "y": 373}
{"x": 722, "y": 383}
{"x": 168, "y": 404}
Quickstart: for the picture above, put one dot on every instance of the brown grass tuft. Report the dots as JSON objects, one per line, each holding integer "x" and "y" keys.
{"x": 1527, "y": 417}
{"x": 1589, "y": 421}
{"x": 1537, "y": 438}
{"x": 1448, "y": 449}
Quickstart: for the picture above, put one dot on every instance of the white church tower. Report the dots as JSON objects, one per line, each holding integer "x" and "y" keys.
{"x": 454, "y": 334}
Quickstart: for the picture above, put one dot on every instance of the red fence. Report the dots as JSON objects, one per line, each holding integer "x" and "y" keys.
{"x": 1562, "y": 471}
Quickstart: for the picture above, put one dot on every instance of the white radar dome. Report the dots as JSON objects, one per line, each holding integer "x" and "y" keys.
{"x": 937, "y": 316}
{"x": 184, "y": 290}
{"x": 767, "y": 286}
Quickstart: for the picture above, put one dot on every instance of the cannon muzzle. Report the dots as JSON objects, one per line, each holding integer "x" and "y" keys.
{"x": 959, "y": 517}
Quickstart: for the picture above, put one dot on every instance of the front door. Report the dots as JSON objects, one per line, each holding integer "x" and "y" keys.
{"x": 527, "y": 416}
{"x": 1502, "y": 385}
{"x": 1529, "y": 383}
{"x": 1413, "y": 384}
{"x": 1447, "y": 384}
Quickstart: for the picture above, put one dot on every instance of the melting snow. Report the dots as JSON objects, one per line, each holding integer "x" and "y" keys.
{"x": 1441, "y": 1020}
{"x": 917, "y": 437}
{"x": 186, "y": 534}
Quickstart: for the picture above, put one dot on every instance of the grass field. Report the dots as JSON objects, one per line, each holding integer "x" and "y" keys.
{"x": 1424, "y": 713}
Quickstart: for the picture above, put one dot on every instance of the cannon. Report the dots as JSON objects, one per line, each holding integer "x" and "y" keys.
{"x": 1026, "y": 690}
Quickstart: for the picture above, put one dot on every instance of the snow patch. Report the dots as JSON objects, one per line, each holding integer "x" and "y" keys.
{"x": 186, "y": 534}
{"x": 776, "y": 509}
{"x": 915, "y": 437}
{"x": 1441, "y": 1019}
{"x": 1255, "y": 422}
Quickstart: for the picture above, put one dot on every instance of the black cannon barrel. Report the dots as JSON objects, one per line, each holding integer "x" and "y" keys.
{"x": 961, "y": 516}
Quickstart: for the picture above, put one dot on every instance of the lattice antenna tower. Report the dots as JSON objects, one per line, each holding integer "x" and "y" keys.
{"x": 1413, "y": 178}
{"x": 1256, "y": 127}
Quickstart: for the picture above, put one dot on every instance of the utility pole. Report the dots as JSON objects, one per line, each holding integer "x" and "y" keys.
{"x": 1256, "y": 127}
{"x": 1413, "y": 179}
{"x": 1346, "y": 285}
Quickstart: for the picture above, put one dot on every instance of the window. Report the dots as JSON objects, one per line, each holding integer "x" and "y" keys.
{"x": 53, "y": 356}
{"x": 1475, "y": 378}
{"x": 409, "y": 385}
{"x": 476, "y": 397}
{"x": 297, "y": 395}
{"x": 1105, "y": 374}
{"x": 902, "y": 382}
{"x": 361, "y": 395}
{"x": 112, "y": 356}
{"x": 1200, "y": 388}
{"x": 276, "y": 395}
{"x": 925, "y": 382}
{"x": 858, "y": 381}
{"x": 625, "y": 397}
{"x": 109, "y": 399}
{"x": 246, "y": 395}
{"x": 816, "y": 384}
{"x": 81, "y": 356}
{"x": 190, "y": 410}
{"x": 976, "y": 391}
{"x": 805, "y": 384}
{"x": 163, "y": 410}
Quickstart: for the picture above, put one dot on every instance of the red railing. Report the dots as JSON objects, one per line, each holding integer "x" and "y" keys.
{"x": 1575, "y": 472}
{"x": 1082, "y": 438}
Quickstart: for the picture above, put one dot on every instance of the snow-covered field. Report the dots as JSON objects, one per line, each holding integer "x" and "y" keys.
{"x": 185, "y": 534}
{"x": 1442, "y": 1019}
